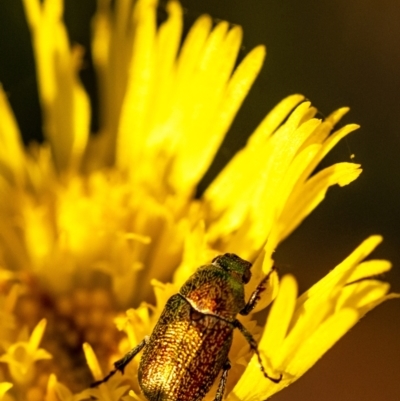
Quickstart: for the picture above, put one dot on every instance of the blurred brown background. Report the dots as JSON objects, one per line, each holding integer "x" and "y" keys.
{"x": 335, "y": 53}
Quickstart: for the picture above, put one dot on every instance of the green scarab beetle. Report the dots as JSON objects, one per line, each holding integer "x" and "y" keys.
{"x": 189, "y": 346}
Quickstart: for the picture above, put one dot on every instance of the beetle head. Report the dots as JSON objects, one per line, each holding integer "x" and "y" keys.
{"x": 234, "y": 265}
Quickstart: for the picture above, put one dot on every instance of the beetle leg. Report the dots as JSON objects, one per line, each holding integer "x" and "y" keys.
{"x": 222, "y": 381}
{"x": 253, "y": 345}
{"x": 121, "y": 363}
{"x": 255, "y": 296}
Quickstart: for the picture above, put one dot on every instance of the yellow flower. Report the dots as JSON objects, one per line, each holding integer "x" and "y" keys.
{"x": 299, "y": 331}
{"x": 87, "y": 222}
{"x": 58, "y": 392}
{"x": 22, "y": 355}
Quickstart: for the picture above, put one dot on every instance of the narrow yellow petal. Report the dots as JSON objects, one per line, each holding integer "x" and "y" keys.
{"x": 311, "y": 194}
{"x": 212, "y": 47}
{"x": 229, "y": 50}
{"x": 360, "y": 294}
{"x": 279, "y": 317}
{"x": 209, "y": 116}
{"x": 274, "y": 119}
{"x": 370, "y": 268}
{"x": 101, "y": 36}
{"x": 131, "y": 135}
{"x": 281, "y": 174}
{"x": 12, "y": 298}
{"x": 336, "y": 137}
{"x": 302, "y": 326}
{"x": 112, "y": 50}
{"x": 268, "y": 165}
{"x": 53, "y": 9}
{"x": 12, "y": 158}
{"x": 64, "y": 102}
{"x": 366, "y": 308}
{"x": 191, "y": 50}
{"x": 238, "y": 86}
{"x": 277, "y": 325}
{"x": 338, "y": 277}
{"x": 167, "y": 46}
{"x": 294, "y": 174}
{"x": 53, "y": 393}
{"x": 173, "y": 94}
{"x": 233, "y": 181}
{"x": 37, "y": 335}
{"x": 326, "y": 335}
{"x": 195, "y": 253}
{"x": 33, "y": 12}
{"x": 92, "y": 362}
{"x": 81, "y": 118}
{"x": 337, "y": 115}
{"x": 320, "y": 135}
{"x": 231, "y": 184}
{"x": 296, "y": 118}
{"x": 42, "y": 354}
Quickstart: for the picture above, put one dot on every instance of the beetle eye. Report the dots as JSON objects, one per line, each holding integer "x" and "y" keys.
{"x": 215, "y": 258}
{"x": 246, "y": 276}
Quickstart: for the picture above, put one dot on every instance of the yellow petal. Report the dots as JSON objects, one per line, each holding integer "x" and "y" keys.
{"x": 360, "y": 294}
{"x": 279, "y": 317}
{"x": 92, "y": 362}
{"x": 277, "y": 325}
{"x": 326, "y": 335}
{"x": 226, "y": 181}
{"x": 366, "y": 308}
{"x": 310, "y": 195}
{"x": 64, "y": 102}
{"x": 319, "y": 136}
{"x": 215, "y": 104}
{"x": 37, "y": 335}
{"x": 337, "y": 115}
{"x": 51, "y": 394}
{"x": 12, "y": 158}
{"x": 370, "y": 268}
{"x": 301, "y": 327}
{"x": 4, "y": 387}
{"x": 338, "y": 277}
{"x": 131, "y": 135}
{"x": 274, "y": 119}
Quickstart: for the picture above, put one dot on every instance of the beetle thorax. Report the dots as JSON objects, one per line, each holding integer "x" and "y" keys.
{"x": 212, "y": 290}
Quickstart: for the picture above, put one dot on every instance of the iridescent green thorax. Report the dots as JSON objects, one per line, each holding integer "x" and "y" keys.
{"x": 218, "y": 289}
{"x": 237, "y": 267}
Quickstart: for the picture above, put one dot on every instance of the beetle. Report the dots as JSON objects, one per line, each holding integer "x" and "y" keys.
{"x": 189, "y": 345}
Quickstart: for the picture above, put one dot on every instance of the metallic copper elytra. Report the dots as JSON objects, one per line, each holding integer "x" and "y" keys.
{"x": 189, "y": 346}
